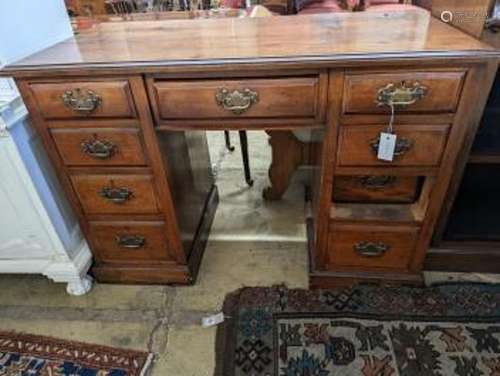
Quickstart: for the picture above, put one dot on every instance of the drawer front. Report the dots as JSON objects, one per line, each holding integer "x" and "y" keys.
{"x": 99, "y": 147}
{"x": 99, "y": 99}
{"x": 123, "y": 242}
{"x": 417, "y": 145}
{"x": 378, "y": 189}
{"x": 371, "y": 246}
{"x": 116, "y": 194}
{"x": 430, "y": 91}
{"x": 252, "y": 98}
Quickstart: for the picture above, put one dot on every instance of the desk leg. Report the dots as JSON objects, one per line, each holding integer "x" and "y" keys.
{"x": 288, "y": 153}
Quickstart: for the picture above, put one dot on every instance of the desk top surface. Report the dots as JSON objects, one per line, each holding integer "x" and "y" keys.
{"x": 323, "y": 37}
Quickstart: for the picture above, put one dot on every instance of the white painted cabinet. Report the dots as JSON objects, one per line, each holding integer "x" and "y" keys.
{"x": 38, "y": 231}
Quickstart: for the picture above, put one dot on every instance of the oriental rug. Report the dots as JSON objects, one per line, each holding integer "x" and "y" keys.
{"x": 31, "y": 355}
{"x": 451, "y": 329}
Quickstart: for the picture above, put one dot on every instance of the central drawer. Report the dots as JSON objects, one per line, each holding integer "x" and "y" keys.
{"x": 295, "y": 97}
{"x": 116, "y": 194}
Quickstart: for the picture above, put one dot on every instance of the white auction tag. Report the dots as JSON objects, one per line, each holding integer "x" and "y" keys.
{"x": 213, "y": 320}
{"x": 386, "y": 146}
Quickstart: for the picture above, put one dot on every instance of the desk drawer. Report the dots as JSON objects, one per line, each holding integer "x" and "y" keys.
{"x": 417, "y": 145}
{"x": 133, "y": 242}
{"x": 371, "y": 246}
{"x": 244, "y": 98}
{"x": 116, "y": 194}
{"x": 376, "y": 189}
{"x": 99, "y": 147}
{"x": 85, "y": 99}
{"x": 440, "y": 91}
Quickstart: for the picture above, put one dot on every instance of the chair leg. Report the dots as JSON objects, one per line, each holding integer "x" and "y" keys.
{"x": 228, "y": 141}
{"x": 244, "y": 155}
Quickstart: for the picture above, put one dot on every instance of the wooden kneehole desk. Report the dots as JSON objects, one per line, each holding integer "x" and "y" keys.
{"x": 116, "y": 108}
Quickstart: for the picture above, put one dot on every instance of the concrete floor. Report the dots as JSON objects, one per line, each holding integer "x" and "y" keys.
{"x": 252, "y": 243}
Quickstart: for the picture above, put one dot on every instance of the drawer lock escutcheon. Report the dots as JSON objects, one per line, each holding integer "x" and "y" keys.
{"x": 376, "y": 182}
{"x": 99, "y": 149}
{"x": 236, "y": 101}
{"x": 130, "y": 241}
{"x": 81, "y": 101}
{"x": 403, "y": 146}
{"x": 116, "y": 195}
{"x": 401, "y": 94}
{"x": 371, "y": 249}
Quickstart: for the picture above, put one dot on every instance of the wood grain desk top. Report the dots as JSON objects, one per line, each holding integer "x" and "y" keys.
{"x": 324, "y": 38}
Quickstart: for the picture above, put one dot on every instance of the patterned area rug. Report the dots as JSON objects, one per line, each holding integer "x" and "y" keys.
{"x": 451, "y": 329}
{"x": 30, "y": 355}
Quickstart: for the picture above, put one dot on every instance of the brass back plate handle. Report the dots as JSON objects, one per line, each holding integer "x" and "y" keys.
{"x": 116, "y": 195}
{"x": 81, "y": 101}
{"x": 371, "y": 249}
{"x": 236, "y": 101}
{"x": 401, "y": 94}
{"x": 403, "y": 146}
{"x": 98, "y": 149}
{"x": 377, "y": 182}
{"x": 130, "y": 241}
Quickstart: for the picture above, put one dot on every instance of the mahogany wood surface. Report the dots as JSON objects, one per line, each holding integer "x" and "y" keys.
{"x": 107, "y": 249}
{"x": 322, "y": 38}
{"x": 428, "y": 142}
{"x": 443, "y": 91}
{"x": 344, "y": 238}
{"x": 127, "y": 150}
{"x": 141, "y": 200}
{"x": 392, "y": 189}
{"x": 286, "y": 97}
{"x": 116, "y": 100}
{"x": 158, "y": 94}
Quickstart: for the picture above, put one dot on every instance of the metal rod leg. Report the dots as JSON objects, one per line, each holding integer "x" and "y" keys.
{"x": 244, "y": 155}
{"x": 228, "y": 141}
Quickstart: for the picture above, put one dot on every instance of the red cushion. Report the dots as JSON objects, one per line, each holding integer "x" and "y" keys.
{"x": 326, "y": 6}
{"x": 392, "y": 7}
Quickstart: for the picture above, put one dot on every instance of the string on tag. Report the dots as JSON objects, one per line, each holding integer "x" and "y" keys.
{"x": 391, "y": 120}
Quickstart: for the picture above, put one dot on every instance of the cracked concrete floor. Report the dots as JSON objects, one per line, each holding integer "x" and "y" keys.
{"x": 252, "y": 243}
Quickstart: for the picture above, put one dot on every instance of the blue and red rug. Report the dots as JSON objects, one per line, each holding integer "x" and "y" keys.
{"x": 451, "y": 329}
{"x": 30, "y": 355}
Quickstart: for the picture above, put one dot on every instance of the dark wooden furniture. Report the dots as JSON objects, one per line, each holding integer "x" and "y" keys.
{"x": 467, "y": 236}
{"x": 123, "y": 111}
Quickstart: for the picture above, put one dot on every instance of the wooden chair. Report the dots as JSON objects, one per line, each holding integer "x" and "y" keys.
{"x": 120, "y": 7}
{"x": 257, "y": 11}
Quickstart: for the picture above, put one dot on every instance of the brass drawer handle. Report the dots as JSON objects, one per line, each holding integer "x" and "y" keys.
{"x": 377, "y": 182}
{"x": 99, "y": 149}
{"x": 116, "y": 195}
{"x": 236, "y": 101}
{"x": 403, "y": 146}
{"x": 130, "y": 241}
{"x": 81, "y": 101}
{"x": 371, "y": 249}
{"x": 400, "y": 95}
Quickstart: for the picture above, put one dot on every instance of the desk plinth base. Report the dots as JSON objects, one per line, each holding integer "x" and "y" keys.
{"x": 165, "y": 274}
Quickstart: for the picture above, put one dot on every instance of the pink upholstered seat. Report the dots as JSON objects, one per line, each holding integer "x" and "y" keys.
{"x": 329, "y": 6}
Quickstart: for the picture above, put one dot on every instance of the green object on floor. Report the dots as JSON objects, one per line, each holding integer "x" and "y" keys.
{"x": 450, "y": 329}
